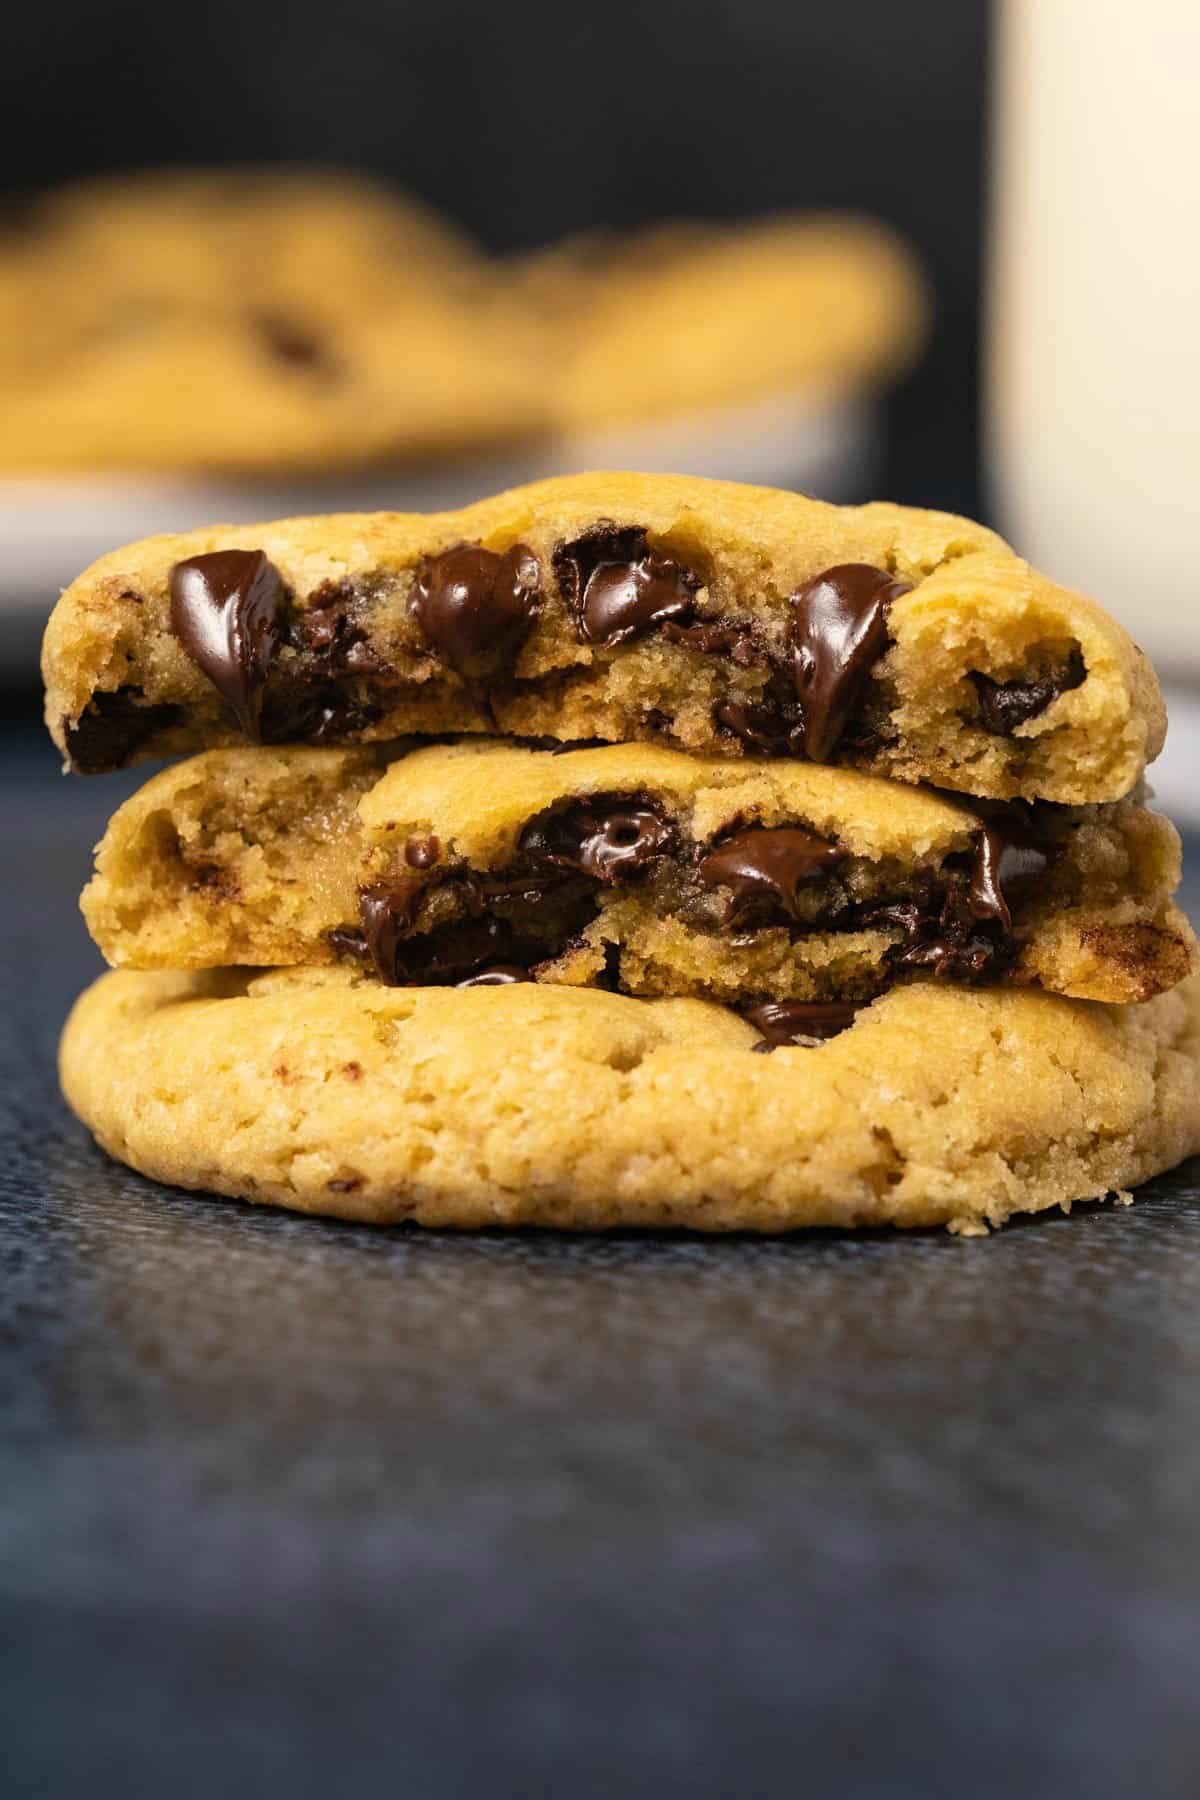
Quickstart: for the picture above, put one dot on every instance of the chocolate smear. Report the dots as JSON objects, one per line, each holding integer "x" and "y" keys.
{"x": 770, "y": 865}
{"x": 605, "y": 837}
{"x": 1006, "y": 857}
{"x": 839, "y": 632}
{"x": 388, "y": 910}
{"x": 799, "y": 1022}
{"x": 227, "y": 610}
{"x": 477, "y": 607}
{"x": 618, "y": 587}
{"x": 498, "y": 975}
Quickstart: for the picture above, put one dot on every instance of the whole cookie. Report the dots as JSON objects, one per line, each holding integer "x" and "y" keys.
{"x": 250, "y": 320}
{"x": 526, "y": 1105}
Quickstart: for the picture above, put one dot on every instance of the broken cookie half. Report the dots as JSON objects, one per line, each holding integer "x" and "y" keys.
{"x": 788, "y": 890}
{"x": 703, "y": 616}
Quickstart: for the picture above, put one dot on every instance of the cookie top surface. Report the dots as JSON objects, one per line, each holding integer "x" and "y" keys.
{"x": 479, "y": 795}
{"x": 528, "y": 1105}
{"x": 982, "y": 675}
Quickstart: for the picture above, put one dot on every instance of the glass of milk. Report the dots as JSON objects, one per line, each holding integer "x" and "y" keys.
{"x": 1093, "y": 309}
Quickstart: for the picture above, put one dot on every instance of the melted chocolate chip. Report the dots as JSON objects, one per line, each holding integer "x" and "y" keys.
{"x": 839, "y": 632}
{"x": 305, "y": 708}
{"x": 422, "y": 852}
{"x": 445, "y": 956}
{"x": 799, "y": 1022}
{"x": 1003, "y": 705}
{"x": 605, "y": 837}
{"x": 477, "y": 607}
{"x": 499, "y": 975}
{"x": 227, "y": 610}
{"x": 956, "y": 954}
{"x": 1006, "y": 857}
{"x": 618, "y": 587}
{"x": 771, "y": 865}
{"x": 387, "y": 910}
{"x": 957, "y": 927}
{"x": 111, "y": 728}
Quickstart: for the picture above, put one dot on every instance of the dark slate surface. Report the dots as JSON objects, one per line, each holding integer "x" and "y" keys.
{"x": 301, "y": 1509}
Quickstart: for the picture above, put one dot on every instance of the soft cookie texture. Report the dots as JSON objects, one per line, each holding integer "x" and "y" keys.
{"x": 328, "y": 1093}
{"x": 708, "y": 616}
{"x": 634, "y": 867}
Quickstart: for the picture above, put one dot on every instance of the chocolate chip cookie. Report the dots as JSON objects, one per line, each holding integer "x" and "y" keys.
{"x": 257, "y": 321}
{"x": 687, "y": 317}
{"x": 635, "y": 868}
{"x": 706, "y": 616}
{"x": 525, "y": 1105}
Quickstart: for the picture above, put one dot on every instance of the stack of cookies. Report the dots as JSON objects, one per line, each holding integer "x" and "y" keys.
{"x": 625, "y": 851}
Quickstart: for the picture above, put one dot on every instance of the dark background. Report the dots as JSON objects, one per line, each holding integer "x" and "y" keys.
{"x": 530, "y": 120}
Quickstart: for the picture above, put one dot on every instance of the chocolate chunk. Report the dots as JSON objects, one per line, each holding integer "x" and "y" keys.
{"x": 1006, "y": 856}
{"x": 498, "y": 975}
{"x": 605, "y": 837}
{"x": 768, "y": 865}
{"x": 1003, "y": 705}
{"x": 331, "y": 636}
{"x": 111, "y": 727}
{"x": 761, "y": 729}
{"x": 956, "y": 955}
{"x": 618, "y": 587}
{"x": 839, "y": 631}
{"x": 716, "y": 637}
{"x": 227, "y": 610}
{"x": 477, "y": 607}
{"x": 799, "y": 1022}
{"x": 422, "y": 852}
